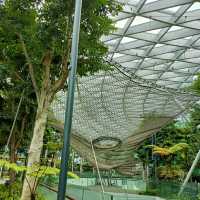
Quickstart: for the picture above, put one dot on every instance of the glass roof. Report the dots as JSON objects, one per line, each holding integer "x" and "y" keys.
{"x": 158, "y": 40}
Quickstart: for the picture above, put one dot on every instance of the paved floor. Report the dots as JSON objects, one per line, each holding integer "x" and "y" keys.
{"x": 79, "y": 194}
{"x": 123, "y": 196}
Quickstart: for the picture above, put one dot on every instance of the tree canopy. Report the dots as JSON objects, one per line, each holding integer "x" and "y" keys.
{"x": 35, "y": 45}
{"x": 35, "y": 32}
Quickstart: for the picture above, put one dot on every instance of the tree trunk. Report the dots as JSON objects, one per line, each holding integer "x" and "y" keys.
{"x": 12, "y": 173}
{"x": 35, "y": 149}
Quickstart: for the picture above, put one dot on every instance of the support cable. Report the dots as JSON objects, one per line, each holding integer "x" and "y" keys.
{"x": 14, "y": 122}
{"x": 12, "y": 129}
{"x": 97, "y": 166}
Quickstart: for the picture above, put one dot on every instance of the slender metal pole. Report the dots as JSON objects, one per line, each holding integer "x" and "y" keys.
{"x": 14, "y": 122}
{"x": 97, "y": 166}
{"x": 11, "y": 131}
{"x": 70, "y": 102}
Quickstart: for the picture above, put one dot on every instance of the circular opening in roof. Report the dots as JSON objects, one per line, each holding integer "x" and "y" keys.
{"x": 105, "y": 142}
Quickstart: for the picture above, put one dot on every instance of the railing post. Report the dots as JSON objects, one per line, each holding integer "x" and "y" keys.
{"x": 111, "y": 197}
{"x": 83, "y": 192}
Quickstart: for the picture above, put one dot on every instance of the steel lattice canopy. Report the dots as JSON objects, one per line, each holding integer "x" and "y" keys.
{"x": 158, "y": 40}
{"x": 155, "y": 52}
{"x": 111, "y": 104}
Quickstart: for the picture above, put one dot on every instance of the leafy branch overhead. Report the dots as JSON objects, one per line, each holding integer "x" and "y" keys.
{"x": 41, "y": 38}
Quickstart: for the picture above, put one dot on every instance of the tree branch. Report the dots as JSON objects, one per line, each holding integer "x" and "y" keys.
{"x": 30, "y": 66}
{"x": 21, "y": 131}
{"x": 18, "y": 76}
{"x": 46, "y": 61}
{"x": 59, "y": 84}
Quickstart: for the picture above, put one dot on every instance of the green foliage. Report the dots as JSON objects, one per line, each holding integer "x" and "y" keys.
{"x": 35, "y": 170}
{"x": 6, "y": 164}
{"x": 36, "y": 54}
{"x": 168, "y": 190}
{"x": 151, "y": 192}
{"x": 170, "y": 172}
{"x": 178, "y": 148}
{"x": 35, "y": 44}
{"x": 171, "y": 135}
{"x": 196, "y": 84}
{"x": 53, "y": 146}
{"x": 48, "y": 25}
{"x": 13, "y": 192}
{"x": 52, "y": 140}
{"x": 12, "y": 85}
{"x": 10, "y": 192}
{"x": 164, "y": 151}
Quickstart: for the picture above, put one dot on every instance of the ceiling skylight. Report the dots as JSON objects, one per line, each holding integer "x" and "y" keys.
{"x": 152, "y": 35}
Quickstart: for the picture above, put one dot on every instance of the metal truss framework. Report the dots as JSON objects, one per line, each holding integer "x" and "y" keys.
{"x": 158, "y": 40}
{"x": 155, "y": 53}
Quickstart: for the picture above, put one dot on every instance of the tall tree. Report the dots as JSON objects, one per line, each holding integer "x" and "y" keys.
{"x": 37, "y": 35}
{"x": 16, "y": 109}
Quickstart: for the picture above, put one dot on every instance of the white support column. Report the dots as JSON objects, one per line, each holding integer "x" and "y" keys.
{"x": 190, "y": 173}
{"x": 194, "y": 162}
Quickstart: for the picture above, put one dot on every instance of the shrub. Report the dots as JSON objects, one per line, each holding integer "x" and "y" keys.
{"x": 11, "y": 192}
